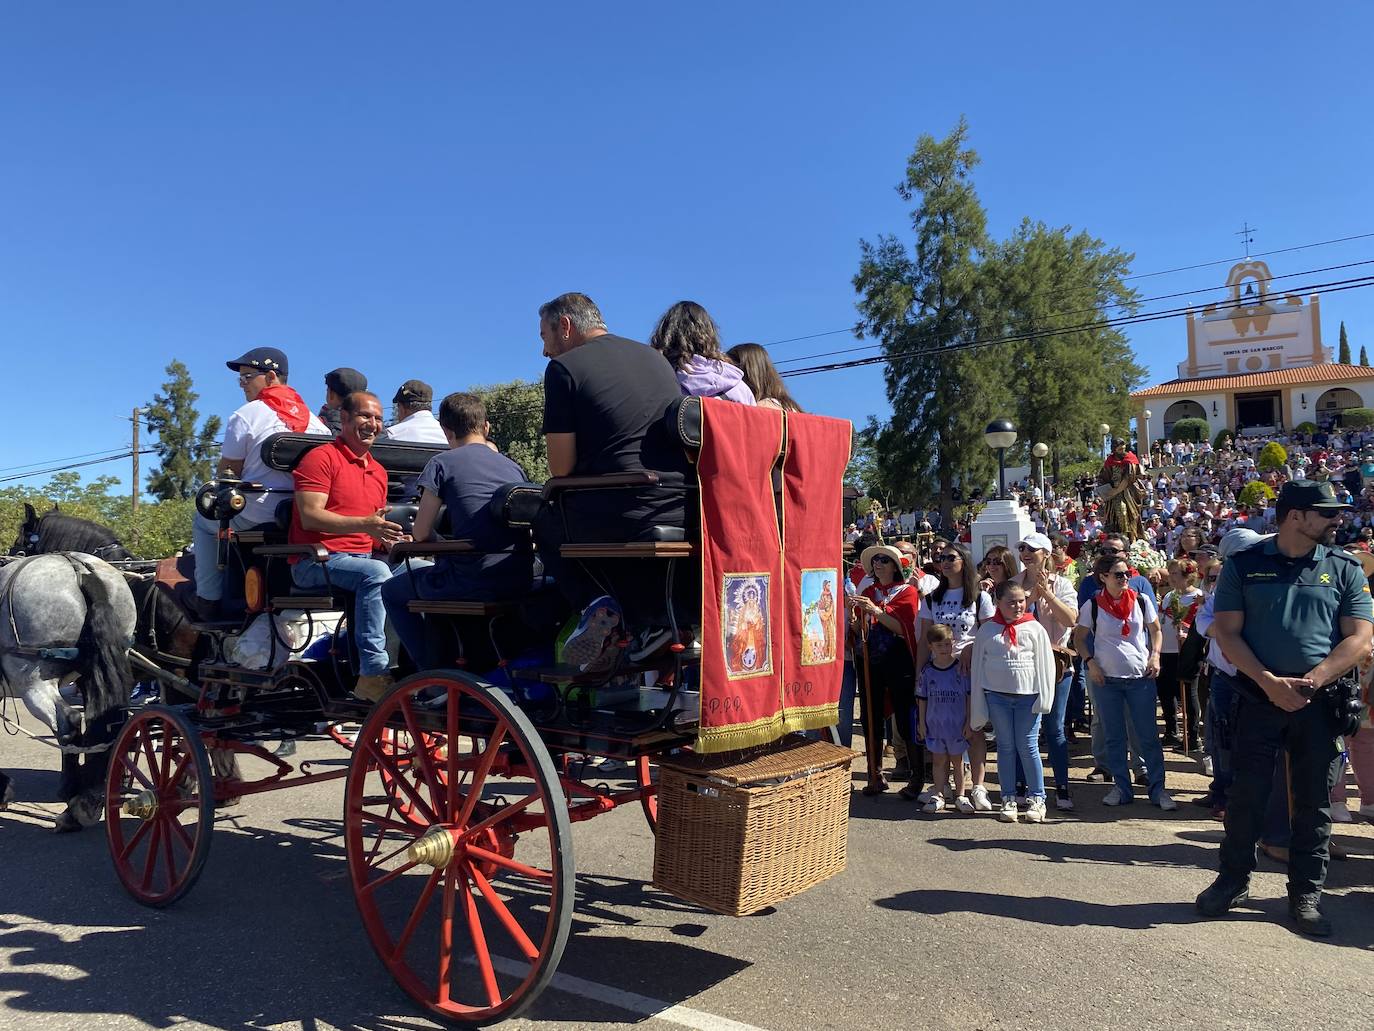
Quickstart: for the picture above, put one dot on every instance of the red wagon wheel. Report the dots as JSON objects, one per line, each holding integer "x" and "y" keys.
{"x": 459, "y": 847}
{"x": 159, "y": 806}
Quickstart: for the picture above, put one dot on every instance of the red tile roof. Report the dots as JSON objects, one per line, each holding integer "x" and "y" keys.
{"x": 1325, "y": 372}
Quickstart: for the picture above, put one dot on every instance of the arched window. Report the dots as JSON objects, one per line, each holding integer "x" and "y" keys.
{"x": 1181, "y": 410}
{"x": 1334, "y": 401}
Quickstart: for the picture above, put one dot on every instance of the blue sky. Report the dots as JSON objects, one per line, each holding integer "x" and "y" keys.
{"x": 398, "y": 187}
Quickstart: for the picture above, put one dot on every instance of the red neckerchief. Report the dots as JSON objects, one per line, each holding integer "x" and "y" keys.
{"x": 1121, "y": 607}
{"x": 1128, "y": 458}
{"x": 287, "y": 405}
{"x": 1009, "y": 631}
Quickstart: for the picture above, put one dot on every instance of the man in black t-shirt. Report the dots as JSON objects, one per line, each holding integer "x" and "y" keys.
{"x": 604, "y": 402}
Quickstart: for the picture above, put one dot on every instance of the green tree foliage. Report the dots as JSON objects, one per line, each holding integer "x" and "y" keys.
{"x": 1224, "y": 438}
{"x": 1357, "y": 418}
{"x": 1067, "y": 384}
{"x": 1364, "y": 357}
{"x": 1272, "y": 457}
{"x": 1189, "y": 429}
{"x": 1256, "y": 492}
{"x": 1305, "y": 427}
{"x": 516, "y": 413}
{"x": 185, "y": 452}
{"x": 1344, "y": 355}
{"x": 922, "y": 303}
{"x": 159, "y": 529}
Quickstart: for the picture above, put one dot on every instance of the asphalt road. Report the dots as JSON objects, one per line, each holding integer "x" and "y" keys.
{"x": 940, "y": 922}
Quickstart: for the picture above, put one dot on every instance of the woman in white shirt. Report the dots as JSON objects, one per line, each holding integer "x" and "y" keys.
{"x": 1177, "y": 611}
{"x": 1012, "y": 684}
{"x": 1124, "y": 663}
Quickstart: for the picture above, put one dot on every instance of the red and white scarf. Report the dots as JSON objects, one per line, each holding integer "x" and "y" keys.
{"x": 288, "y": 406}
{"x": 1120, "y": 607}
{"x": 1009, "y": 629}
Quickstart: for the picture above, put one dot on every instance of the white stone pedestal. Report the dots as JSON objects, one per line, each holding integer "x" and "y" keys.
{"x": 1000, "y": 522}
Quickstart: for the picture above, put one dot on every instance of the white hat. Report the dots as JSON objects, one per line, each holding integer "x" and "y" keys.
{"x": 1038, "y": 541}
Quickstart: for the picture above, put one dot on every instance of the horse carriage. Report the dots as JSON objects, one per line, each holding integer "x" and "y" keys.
{"x": 464, "y": 781}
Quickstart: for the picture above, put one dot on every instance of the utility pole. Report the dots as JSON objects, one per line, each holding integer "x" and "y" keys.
{"x": 134, "y": 492}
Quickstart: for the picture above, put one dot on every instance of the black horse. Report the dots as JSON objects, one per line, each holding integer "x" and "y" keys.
{"x": 57, "y": 531}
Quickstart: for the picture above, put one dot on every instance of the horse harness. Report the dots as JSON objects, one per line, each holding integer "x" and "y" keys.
{"x": 53, "y": 652}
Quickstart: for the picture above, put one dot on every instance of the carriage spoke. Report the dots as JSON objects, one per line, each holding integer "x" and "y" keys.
{"x": 423, "y": 759}
{"x": 387, "y": 877}
{"x": 165, "y": 766}
{"x": 416, "y": 915}
{"x": 479, "y": 944}
{"x": 479, "y": 775}
{"x": 146, "y": 740}
{"x": 505, "y": 813}
{"x": 477, "y": 852}
{"x": 385, "y": 823}
{"x": 446, "y": 935}
{"x": 150, "y": 861}
{"x": 386, "y": 766}
{"x": 176, "y": 773}
{"x": 133, "y": 841}
{"x": 503, "y": 914}
{"x": 167, "y": 855}
{"x": 182, "y": 836}
{"x": 138, "y": 774}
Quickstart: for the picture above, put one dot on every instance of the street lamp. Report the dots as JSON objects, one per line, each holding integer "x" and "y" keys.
{"x": 1040, "y": 451}
{"x": 1103, "y": 430}
{"x": 999, "y": 436}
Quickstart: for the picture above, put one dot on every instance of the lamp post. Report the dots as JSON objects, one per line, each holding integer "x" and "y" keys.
{"x": 1103, "y": 431}
{"x": 999, "y": 436}
{"x": 1040, "y": 451}
{"x": 1144, "y": 435}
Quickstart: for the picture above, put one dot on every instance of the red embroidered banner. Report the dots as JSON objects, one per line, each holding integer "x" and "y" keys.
{"x": 812, "y": 531}
{"x": 741, "y": 577}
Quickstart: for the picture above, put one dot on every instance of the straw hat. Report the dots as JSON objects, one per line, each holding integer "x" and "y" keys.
{"x": 866, "y": 559}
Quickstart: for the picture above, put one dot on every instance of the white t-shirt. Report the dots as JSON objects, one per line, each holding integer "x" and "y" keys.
{"x": 244, "y": 434}
{"x": 1121, "y": 655}
{"x": 951, "y": 611}
{"x": 1167, "y": 626}
{"x": 417, "y": 428}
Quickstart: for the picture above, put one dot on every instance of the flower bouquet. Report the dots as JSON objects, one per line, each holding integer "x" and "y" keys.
{"x": 1145, "y": 558}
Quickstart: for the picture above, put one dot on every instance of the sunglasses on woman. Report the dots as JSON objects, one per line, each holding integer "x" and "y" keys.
{"x": 882, "y": 558}
{"x": 1119, "y": 574}
{"x": 950, "y": 557}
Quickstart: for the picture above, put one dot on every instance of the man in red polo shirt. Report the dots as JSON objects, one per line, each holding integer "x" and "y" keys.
{"x": 341, "y": 504}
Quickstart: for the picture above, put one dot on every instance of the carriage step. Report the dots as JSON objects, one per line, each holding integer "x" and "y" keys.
{"x": 631, "y": 549}
{"x": 437, "y": 607}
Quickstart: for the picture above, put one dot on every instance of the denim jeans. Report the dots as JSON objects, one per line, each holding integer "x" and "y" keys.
{"x": 1057, "y": 742}
{"x": 1078, "y": 693}
{"x": 1129, "y": 702}
{"x": 364, "y": 576}
{"x": 205, "y": 537}
{"x": 1018, "y": 737}
{"x": 1099, "y": 735}
{"x": 1221, "y": 708}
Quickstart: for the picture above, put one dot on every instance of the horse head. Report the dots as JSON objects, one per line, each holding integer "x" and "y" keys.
{"x": 28, "y": 531}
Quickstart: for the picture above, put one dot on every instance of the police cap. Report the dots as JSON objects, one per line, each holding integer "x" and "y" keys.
{"x": 1300, "y": 494}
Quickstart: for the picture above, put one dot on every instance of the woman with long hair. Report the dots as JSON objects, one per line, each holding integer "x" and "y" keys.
{"x": 1188, "y": 542}
{"x": 690, "y": 339}
{"x": 959, "y": 604}
{"x": 762, "y": 377}
{"x": 999, "y": 565}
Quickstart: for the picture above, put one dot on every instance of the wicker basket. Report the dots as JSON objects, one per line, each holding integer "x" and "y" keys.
{"x": 739, "y": 834}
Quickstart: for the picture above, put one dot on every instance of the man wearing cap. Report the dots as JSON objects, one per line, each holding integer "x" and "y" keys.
{"x": 1294, "y": 616}
{"x": 270, "y": 407}
{"x": 338, "y": 384}
{"x": 415, "y": 421}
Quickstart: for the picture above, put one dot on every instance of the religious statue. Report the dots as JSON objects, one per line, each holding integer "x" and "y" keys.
{"x": 1120, "y": 491}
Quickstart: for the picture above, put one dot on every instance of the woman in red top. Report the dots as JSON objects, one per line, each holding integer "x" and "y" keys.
{"x": 889, "y": 605}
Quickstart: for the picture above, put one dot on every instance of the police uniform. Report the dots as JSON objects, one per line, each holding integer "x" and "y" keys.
{"x": 1293, "y": 609}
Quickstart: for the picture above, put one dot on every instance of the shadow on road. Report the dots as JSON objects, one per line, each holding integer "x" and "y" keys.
{"x": 270, "y": 934}
{"x": 1172, "y": 854}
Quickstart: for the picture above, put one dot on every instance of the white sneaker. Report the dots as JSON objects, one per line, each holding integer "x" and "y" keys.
{"x": 1113, "y": 797}
{"x": 1036, "y": 811}
{"x": 1166, "y": 802}
{"x": 1206, "y": 762}
{"x": 1340, "y": 814}
{"x": 981, "y": 803}
{"x": 925, "y": 797}
{"x": 1008, "y": 813}
{"x": 935, "y": 805}
{"x": 963, "y": 804}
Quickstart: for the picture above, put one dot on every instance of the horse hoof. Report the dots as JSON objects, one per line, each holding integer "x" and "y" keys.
{"x": 66, "y": 823}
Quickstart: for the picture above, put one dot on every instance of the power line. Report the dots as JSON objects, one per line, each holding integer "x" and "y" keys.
{"x": 65, "y": 458}
{"x": 74, "y": 465}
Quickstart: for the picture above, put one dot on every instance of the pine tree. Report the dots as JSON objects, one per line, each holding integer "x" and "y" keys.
{"x": 922, "y": 304}
{"x": 184, "y": 453}
{"x": 1344, "y": 356}
{"x": 1364, "y": 357}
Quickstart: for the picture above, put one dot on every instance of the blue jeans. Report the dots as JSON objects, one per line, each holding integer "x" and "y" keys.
{"x": 1078, "y": 693}
{"x": 1018, "y": 738}
{"x": 205, "y": 537}
{"x": 1221, "y": 707}
{"x": 1122, "y": 700}
{"x": 364, "y": 576}
{"x": 1057, "y": 743}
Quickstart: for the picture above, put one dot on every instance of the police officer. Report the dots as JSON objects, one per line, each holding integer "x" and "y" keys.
{"x": 1294, "y": 616}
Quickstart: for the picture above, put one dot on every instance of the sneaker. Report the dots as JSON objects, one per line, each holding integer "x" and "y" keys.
{"x": 1008, "y": 813}
{"x": 594, "y": 632}
{"x": 371, "y": 687}
{"x": 935, "y": 805}
{"x": 1305, "y": 912}
{"x": 1206, "y": 763}
{"x": 1166, "y": 802}
{"x": 1205, "y": 801}
{"x": 1115, "y": 797}
{"x": 649, "y": 642}
{"x": 963, "y": 804}
{"x": 1098, "y": 775}
{"x": 1062, "y": 801}
{"x": 1035, "y": 813}
{"x": 979, "y": 797}
{"x": 1340, "y": 814}
{"x": 1220, "y": 896}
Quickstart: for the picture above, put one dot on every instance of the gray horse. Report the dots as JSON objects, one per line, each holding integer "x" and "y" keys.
{"x": 68, "y": 618}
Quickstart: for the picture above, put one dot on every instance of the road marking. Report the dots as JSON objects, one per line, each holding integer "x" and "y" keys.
{"x": 644, "y": 1005}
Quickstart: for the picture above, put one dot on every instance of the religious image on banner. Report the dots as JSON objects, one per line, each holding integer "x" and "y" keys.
{"x": 819, "y": 591}
{"x": 745, "y": 622}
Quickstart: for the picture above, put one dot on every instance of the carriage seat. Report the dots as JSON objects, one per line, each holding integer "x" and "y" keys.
{"x": 402, "y": 460}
